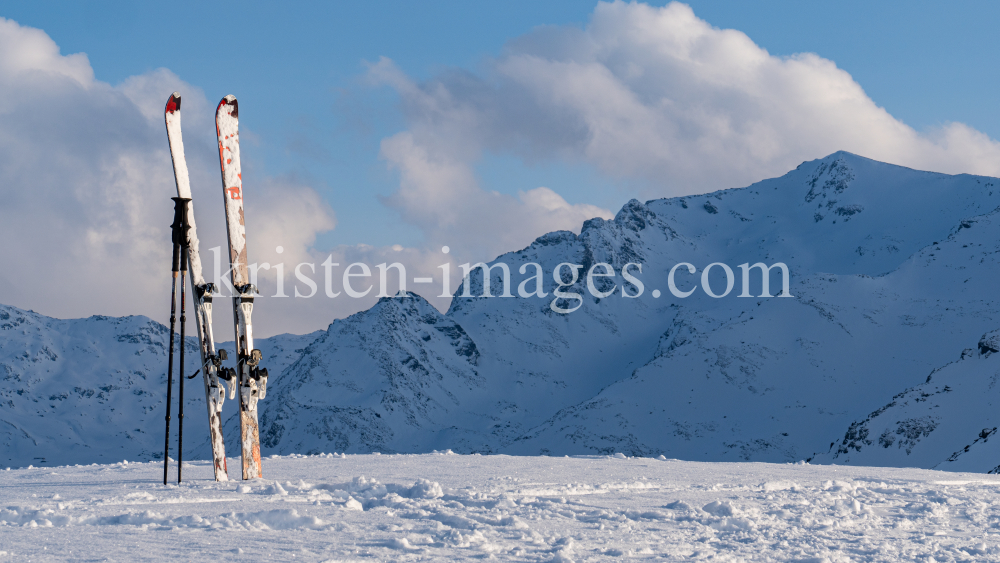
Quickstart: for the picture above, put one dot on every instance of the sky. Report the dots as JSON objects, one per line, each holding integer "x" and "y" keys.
{"x": 382, "y": 131}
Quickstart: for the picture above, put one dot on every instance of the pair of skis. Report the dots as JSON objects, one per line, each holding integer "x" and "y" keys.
{"x": 249, "y": 377}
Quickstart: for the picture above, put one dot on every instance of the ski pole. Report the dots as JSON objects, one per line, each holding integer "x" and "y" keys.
{"x": 175, "y": 232}
{"x": 183, "y": 202}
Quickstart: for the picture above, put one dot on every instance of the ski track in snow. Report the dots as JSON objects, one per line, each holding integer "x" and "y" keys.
{"x": 446, "y": 507}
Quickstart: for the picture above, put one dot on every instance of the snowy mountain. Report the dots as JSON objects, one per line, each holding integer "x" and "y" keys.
{"x": 922, "y": 426}
{"x": 80, "y": 390}
{"x": 393, "y": 377}
{"x": 883, "y": 296}
{"x": 94, "y": 390}
{"x": 890, "y": 280}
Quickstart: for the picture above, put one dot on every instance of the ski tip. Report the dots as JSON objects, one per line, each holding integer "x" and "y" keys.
{"x": 174, "y": 103}
{"x": 229, "y": 100}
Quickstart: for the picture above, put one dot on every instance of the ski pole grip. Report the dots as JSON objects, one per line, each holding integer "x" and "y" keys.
{"x": 180, "y": 226}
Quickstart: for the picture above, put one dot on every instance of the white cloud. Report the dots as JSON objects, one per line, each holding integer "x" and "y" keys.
{"x": 442, "y": 197}
{"x": 439, "y": 191}
{"x": 655, "y": 99}
{"x": 288, "y": 215}
{"x": 86, "y": 181}
{"x": 655, "y": 95}
{"x": 28, "y": 51}
{"x": 280, "y": 311}
{"x": 85, "y": 177}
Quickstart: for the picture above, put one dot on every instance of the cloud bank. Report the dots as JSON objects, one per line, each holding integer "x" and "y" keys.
{"x": 86, "y": 180}
{"x": 656, "y": 99}
{"x": 85, "y": 177}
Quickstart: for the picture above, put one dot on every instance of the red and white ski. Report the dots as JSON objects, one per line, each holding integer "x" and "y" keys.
{"x": 252, "y": 378}
{"x": 202, "y": 292}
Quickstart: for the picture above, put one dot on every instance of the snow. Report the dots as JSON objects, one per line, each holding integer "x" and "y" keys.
{"x": 890, "y": 283}
{"x": 446, "y": 507}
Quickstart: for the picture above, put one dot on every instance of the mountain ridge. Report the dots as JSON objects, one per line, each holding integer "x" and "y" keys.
{"x": 890, "y": 271}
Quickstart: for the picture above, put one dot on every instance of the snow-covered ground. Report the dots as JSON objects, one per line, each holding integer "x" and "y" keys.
{"x": 446, "y": 507}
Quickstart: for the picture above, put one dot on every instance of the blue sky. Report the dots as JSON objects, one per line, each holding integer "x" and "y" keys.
{"x": 925, "y": 62}
{"x": 377, "y": 128}
{"x": 284, "y": 53}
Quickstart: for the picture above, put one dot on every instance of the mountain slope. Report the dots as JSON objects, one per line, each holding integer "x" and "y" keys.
{"x": 773, "y": 378}
{"x": 392, "y": 378}
{"x": 731, "y": 378}
{"x": 82, "y": 390}
{"x": 947, "y": 422}
{"x": 94, "y": 390}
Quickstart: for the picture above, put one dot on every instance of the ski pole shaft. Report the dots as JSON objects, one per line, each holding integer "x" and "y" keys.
{"x": 170, "y": 365}
{"x": 180, "y": 380}
{"x": 183, "y": 227}
{"x": 178, "y": 236}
